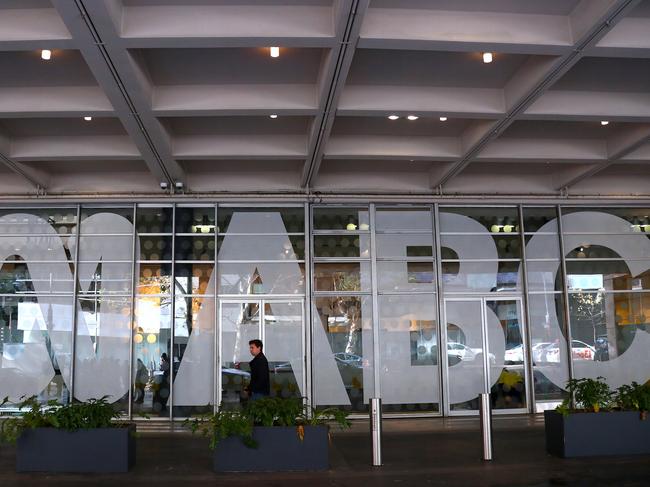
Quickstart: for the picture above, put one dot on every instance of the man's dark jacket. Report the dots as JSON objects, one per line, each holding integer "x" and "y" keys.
{"x": 260, "y": 381}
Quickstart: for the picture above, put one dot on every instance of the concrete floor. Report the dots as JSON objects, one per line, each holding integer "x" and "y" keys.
{"x": 416, "y": 452}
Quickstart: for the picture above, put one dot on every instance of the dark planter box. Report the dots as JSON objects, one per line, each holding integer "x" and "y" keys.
{"x": 279, "y": 449}
{"x": 594, "y": 434}
{"x": 91, "y": 450}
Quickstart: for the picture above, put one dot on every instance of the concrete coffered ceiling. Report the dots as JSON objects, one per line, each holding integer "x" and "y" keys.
{"x": 181, "y": 92}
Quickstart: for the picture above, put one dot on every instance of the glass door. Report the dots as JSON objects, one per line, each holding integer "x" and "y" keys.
{"x": 485, "y": 351}
{"x": 280, "y": 326}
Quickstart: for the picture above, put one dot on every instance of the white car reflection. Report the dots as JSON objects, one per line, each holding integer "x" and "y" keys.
{"x": 579, "y": 351}
{"x": 457, "y": 352}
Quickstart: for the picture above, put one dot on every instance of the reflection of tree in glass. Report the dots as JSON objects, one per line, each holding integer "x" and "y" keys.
{"x": 588, "y": 309}
{"x": 346, "y": 281}
{"x": 350, "y": 307}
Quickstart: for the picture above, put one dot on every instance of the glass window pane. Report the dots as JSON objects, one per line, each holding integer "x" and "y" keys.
{"x": 50, "y": 247}
{"x": 283, "y": 332}
{"x": 105, "y": 277}
{"x": 480, "y": 276}
{"x": 35, "y": 348}
{"x": 151, "y": 355}
{"x": 154, "y": 220}
{"x": 240, "y": 323}
{"x": 106, "y": 220}
{"x": 18, "y": 277}
{"x": 156, "y": 247}
{"x": 541, "y": 246}
{"x": 195, "y": 220}
{"x": 609, "y": 336}
{"x": 38, "y": 221}
{"x": 194, "y": 278}
{"x": 194, "y": 248}
{"x": 548, "y": 347}
{"x": 632, "y": 217}
{"x": 608, "y": 274}
{"x": 261, "y": 247}
{"x": 342, "y": 276}
{"x": 409, "y": 353}
{"x": 192, "y": 358}
{"x": 342, "y": 357}
{"x": 262, "y": 278}
{"x": 405, "y": 276}
{"x": 471, "y": 220}
{"x": 406, "y": 245}
{"x": 544, "y": 276}
{"x": 106, "y": 247}
{"x": 395, "y": 219}
{"x": 102, "y": 349}
{"x": 342, "y": 246}
{"x": 630, "y": 246}
{"x": 337, "y": 218}
{"x": 261, "y": 220}
{"x": 540, "y": 219}
{"x": 155, "y": 279}
{"x": 507, "y": 246}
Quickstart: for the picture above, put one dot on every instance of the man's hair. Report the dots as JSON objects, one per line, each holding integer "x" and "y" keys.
{"x": 257, "y": 343}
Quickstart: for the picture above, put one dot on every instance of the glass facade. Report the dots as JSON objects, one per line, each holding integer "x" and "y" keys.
{"x": 425, "y": 306}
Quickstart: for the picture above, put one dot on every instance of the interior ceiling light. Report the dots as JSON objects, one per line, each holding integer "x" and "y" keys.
{"x": 88, "y": 119}
{"x": 275, "y": 52}
{"x": 487, "y": 57}
{"x": 46, "y": 54}
{"x": 412, "y": 117}
{"x": 443, "y": 119}
{"x": 393, "y": 117}
{"x": 273, "y": 115}
{"x": 604, "y": 122}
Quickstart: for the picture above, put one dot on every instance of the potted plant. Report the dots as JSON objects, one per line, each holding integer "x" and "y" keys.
{"x": 601, "y": 421}
{"x": 76, "y": 437}
{"x": 269, "y": 434}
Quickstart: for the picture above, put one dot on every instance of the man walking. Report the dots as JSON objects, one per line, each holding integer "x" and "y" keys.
{"x": 260, "y": 385}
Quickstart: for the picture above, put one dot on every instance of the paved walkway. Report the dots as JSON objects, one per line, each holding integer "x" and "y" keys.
{"x": 417, "y": 452}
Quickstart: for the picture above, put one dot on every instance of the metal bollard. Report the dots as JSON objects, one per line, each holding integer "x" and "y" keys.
{"x": 375, "y": 429}
{"x": 486, "y": 425}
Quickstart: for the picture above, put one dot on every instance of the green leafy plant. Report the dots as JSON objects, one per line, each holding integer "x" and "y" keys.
{"x": 268, "y": 411}
{"x": 634, "y": 397}
{"x": 588, "y": 395}
{"x": 95, "y": 413}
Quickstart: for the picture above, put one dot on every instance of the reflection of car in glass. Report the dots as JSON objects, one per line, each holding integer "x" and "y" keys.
{"x": 282, "y": 367}
{"x": 457, "y": 352}
{"x": 579, "y": 351}
{"x": 349, "y": 359}
{"x": 538, "y": 350}
{"x": 514, "y": 354}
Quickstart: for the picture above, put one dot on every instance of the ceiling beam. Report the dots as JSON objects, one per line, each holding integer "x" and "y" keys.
{"x": 92, "y": 25}
{"x": 348, "y": 17}
{"x": 589, "y": 22}
{"x": 618, "y": 146}
{"x": 38, "y": 181}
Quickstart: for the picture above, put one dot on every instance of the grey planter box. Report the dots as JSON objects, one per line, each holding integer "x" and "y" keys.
{"x": 279, "y": 449}
{"x": 90, "y": 450}
{"x": 596, "y": 434}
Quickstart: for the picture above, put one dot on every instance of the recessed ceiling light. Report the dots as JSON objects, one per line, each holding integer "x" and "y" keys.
{"x": 273, "y": 115}
{"x": 88, "y": 119}
{"x": 487, "y": 57}
{"x": 46, "y": 54}
{"x": 393, "y": 117}
{"x": 443, "y": 119}
{"x": 412, "y": 117}
{"x": 275, "y": 52}
{"x": 604, "y": 122}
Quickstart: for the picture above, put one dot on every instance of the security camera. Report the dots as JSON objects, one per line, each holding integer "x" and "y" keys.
{"x": 179, "y": 184}
{"x": 163, "y": 185}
